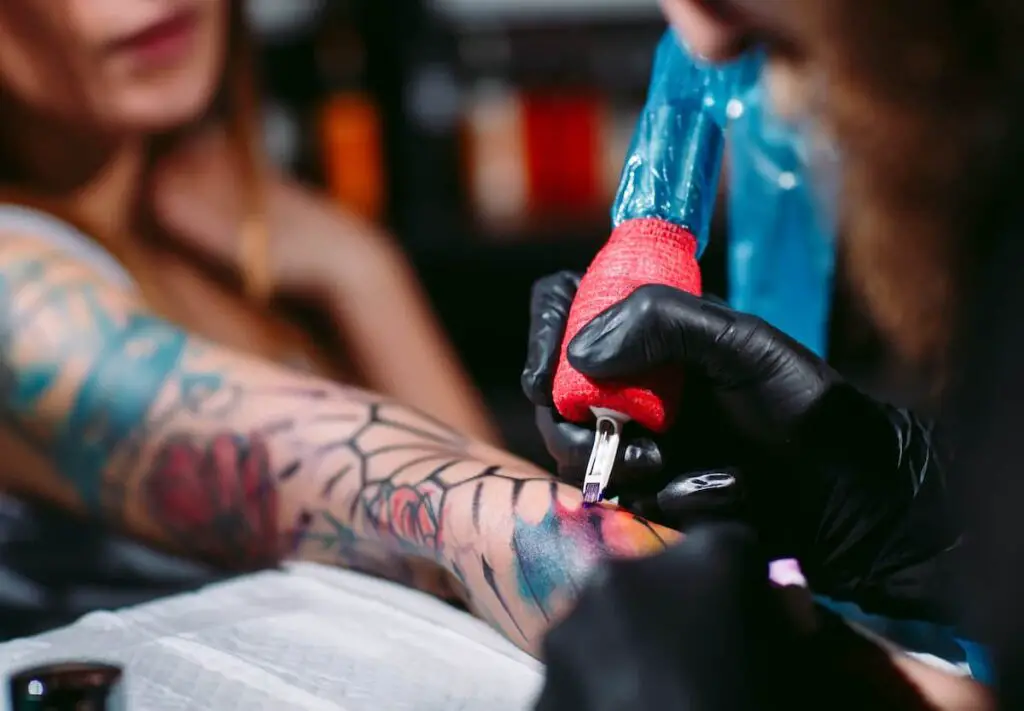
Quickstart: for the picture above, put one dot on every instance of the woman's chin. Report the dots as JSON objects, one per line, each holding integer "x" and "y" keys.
{"x": 152, "y": 112}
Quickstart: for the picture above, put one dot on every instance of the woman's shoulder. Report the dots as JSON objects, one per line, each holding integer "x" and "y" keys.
{"x": 29, "y": 224}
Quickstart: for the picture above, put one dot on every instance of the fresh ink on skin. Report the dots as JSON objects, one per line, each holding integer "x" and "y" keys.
{"x": 555, "y": 555}
{"x": 544, "y": 572}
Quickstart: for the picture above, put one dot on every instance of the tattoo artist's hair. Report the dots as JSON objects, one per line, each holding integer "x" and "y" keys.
{"x": 236, "y": 105}
{"x": 926, "y": 98}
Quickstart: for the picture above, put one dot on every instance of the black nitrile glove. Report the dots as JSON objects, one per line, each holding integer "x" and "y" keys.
{"x": 699, "y": 628}
{"x": 640, "y": 469}
{"x": 852, "y": 487}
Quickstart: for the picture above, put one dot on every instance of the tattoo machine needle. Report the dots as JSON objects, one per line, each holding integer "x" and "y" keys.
{"x": 661, "y": 217}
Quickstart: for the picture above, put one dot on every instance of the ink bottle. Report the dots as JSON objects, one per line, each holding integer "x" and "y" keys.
{"x": 68, "y": 686}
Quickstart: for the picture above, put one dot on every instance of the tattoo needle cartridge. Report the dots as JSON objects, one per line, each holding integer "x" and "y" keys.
{"x": 603, "y": 454}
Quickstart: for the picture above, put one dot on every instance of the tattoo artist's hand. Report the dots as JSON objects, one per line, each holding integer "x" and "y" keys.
{"x": 641, "y": 470}
{"x": 700, "y": 628}
{"x": 764, "y": 380}
{"x": 850, "y": 486}
{"x": 657, "y": 476}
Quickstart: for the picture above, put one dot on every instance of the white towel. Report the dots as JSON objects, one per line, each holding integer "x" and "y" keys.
{"x": 308, "y": 637}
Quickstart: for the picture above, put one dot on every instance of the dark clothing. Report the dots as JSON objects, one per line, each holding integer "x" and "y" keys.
{"x": 986, "y": 416}
{"x": 55, "y": 568}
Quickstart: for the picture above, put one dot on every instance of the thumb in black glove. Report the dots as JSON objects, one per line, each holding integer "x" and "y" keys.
{"x": 700, "y": 628}
{"x": 687, "y": 629}
{"x": 764, "y": 379}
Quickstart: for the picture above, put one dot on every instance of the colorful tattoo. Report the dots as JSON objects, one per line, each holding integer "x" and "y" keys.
{"x": 239, "y": 462}
{"x": 217, "y": 495}
{"x": 407, "y": 514}
{"x": 542, "y": 574}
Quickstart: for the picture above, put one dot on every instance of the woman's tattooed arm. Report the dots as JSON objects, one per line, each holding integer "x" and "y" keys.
{"x": 227, "y": 458}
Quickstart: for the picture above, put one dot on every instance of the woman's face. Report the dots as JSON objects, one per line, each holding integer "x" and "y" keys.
{"x": 123, "y": 66}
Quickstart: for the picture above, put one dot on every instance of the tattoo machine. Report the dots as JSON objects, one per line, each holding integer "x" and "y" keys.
{"x": 661, "y": 217}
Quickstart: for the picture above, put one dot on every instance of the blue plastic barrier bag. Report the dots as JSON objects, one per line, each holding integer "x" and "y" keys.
{"x": 781, "y": 250}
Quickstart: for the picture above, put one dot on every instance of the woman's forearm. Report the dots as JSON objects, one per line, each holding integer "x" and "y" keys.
{"x": 111, "y": 412}
{"x": 519, "y": 543}
{"x": 120, "y": 415}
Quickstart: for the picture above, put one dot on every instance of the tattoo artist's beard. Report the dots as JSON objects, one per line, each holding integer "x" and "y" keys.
{"x": 902, "y": 275}
{"x": 906, "y": 278}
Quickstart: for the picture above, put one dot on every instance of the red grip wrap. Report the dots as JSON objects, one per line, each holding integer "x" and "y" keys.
{"x": 639, "y": 252}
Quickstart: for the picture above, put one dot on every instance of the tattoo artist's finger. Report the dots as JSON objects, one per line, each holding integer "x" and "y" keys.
{"x": 640, "y": 612}
{"x": 569, "y": 681}
{"x": 629, "y": 338}
{"x": 701, "y": 496}
{"x": 550, "y": 301}
{"x": 567, "y": 443}
{"x": 570, "y": 445}
{"x": 656, "y": 325}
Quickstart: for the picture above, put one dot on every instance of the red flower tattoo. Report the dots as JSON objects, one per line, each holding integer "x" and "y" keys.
{"x": 408, "y": 514}
{"x": 217, "y": 495}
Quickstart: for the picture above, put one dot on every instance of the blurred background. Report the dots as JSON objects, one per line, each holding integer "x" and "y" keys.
{"x": 488, "y": 136}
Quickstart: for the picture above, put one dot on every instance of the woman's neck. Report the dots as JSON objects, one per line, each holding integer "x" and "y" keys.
{"x": 109, "y": 199}
{"x": 97, "y": 177}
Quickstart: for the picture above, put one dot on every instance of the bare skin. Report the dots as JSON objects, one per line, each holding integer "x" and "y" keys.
{"x": 354, "y": 272}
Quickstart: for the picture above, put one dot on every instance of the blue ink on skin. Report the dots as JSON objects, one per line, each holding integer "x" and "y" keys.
{"x": 129, "y": 373}
{"x": 35, "y": 380}
{"x": 538, "y": 579}
{"x": 555, "y": 554}
{"x": 129, "y": 366}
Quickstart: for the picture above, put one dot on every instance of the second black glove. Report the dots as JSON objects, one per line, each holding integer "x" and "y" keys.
{"x": 852, "y": 487}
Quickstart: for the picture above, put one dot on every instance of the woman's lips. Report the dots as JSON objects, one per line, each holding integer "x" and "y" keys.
{"x": 163, "y": 43}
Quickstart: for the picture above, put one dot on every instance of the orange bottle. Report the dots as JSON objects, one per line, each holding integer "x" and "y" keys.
{"x": 351, "y": 136}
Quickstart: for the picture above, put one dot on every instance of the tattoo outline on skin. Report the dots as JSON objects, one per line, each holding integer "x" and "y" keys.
{"x": 552, "y": 557}
{"x": 174, "y": 438}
